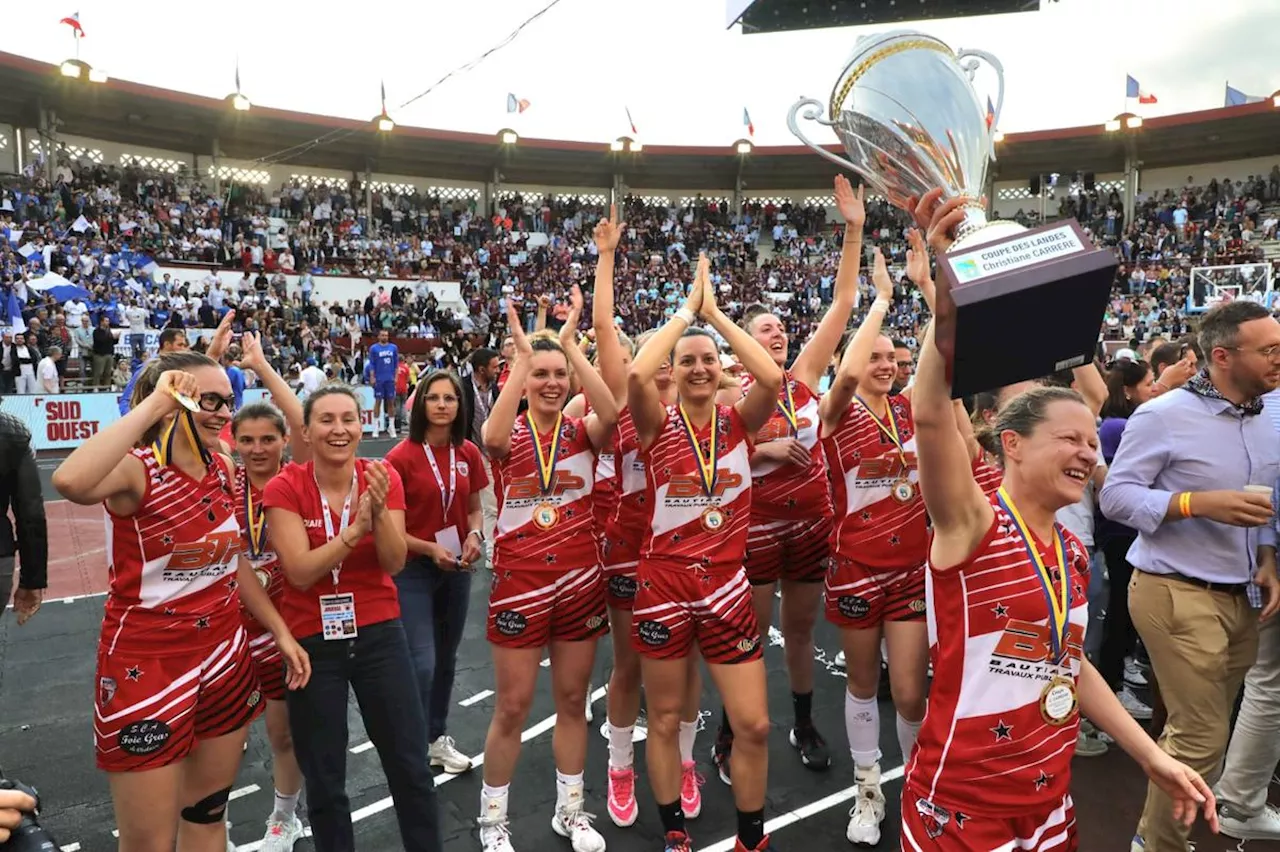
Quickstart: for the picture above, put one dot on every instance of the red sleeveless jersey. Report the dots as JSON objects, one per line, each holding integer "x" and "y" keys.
{"x": 552, "y": 531}
{"x": 987, "y": 747}
{"x": 266, "y": 566}
{"x": 686, "y": 526}
{"x": 630, "y": 516}
{"x": 604, "y": 493}
{"x": 873, "y": 525}
{"x": 785, "y": 491}
{"x": 172, "y": 564}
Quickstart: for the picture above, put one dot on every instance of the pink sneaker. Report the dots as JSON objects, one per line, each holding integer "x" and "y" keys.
{"x": 623, "y": 809}
{"x": 690, "y": 790}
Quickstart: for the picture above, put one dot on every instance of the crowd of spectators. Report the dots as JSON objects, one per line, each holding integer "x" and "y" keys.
{"x": 105, "y": 229}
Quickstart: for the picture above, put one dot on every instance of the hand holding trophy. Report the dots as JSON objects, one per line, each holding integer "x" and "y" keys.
{"x": 906, "y": 112}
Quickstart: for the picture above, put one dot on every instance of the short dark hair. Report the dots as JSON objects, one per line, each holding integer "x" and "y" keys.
{"x": 1165, "y": 355}
{"x": 327, "y": 390}
{"x": 418, "y": 420}
{"x": 1123, "y": 374}
{"x": 259, "y": 411}
{"x": 1221, "y": 325}
{"x": 750, "y": 312}
{"x": 171, "y": 334}
{"x": 900, "y": 344}
{"x": 482, "y": 356}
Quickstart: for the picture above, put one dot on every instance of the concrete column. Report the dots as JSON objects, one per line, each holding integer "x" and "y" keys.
{"x": 19, "y": 154}
{"x": 48, "y": 143}
{"x": 215, "y": 154}
{"x": 1131, "y": 173}
{"x": 368, "y": 197}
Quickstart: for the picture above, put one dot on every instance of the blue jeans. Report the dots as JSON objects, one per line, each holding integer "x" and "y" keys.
{"x": 433, "y": 609}
{"x": 373, "y": 664}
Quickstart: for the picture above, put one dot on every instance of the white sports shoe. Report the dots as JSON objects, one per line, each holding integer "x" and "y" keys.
{"x": 868, "y": 812}
{"x": 573, "y": 822}
{"x": 445, "y": 754}
{"x": 1133, "y": 705}
{"x": 495, "y": 836}
{"x": 1264, "y": 826}
{"x": 281, "y": 833}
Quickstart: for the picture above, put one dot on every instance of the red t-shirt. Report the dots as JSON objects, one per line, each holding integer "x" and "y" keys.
{"x": 425, "y": 515}
{"x": 294, "y": 489}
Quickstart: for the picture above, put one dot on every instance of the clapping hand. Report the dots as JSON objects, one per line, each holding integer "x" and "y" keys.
{"x": 377, "y": 484}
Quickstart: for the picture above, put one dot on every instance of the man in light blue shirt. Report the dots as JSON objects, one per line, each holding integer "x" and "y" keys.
{"x": 1206, "y": 543}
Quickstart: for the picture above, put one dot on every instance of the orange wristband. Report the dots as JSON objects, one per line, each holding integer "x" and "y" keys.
{"x": 1184, "y": 504}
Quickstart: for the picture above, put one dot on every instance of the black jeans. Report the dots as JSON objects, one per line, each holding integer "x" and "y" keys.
{"x": 433, "y": 608}
{"x": 374, "y": 665}
{"x": 1119, "y": 637}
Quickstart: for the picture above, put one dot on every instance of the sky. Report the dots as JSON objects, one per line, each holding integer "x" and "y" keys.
{"x": 685, "y": 77}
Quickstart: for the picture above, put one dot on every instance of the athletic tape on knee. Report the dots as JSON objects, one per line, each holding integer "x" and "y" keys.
{"x": 212, "y": 808}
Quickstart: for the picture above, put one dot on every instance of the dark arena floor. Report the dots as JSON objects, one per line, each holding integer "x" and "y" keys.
{"x": 46, "y": 689}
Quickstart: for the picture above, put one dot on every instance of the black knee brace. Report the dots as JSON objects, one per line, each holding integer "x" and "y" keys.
{"x": 209, "y": 810}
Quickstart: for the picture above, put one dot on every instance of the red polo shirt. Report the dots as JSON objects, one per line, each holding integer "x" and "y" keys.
{"x": 425, "y": 515}
{"x": 294, "y": 489}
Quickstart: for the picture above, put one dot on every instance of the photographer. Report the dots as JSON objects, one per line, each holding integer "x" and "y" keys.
{"x": 28, "y": 535}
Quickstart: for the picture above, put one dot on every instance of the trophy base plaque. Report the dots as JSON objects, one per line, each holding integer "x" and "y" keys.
{"x": 1021, "y": 307}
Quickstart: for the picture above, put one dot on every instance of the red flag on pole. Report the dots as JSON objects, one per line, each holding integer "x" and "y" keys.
{"x": 73, "y": 21}
{"x": 631, "y": 121}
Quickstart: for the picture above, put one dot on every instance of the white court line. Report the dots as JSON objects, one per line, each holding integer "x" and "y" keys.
{"x": 70, "y": 847}
{"x": 69, "y": 600}
{"x": 546, "y": 664}
{"x": 476, "y": 699}
{"x": 243, "y": 791}
{"x": 476, "y": 762}
{"x": 364, "y": 746}
{"x": 805, "y": 811}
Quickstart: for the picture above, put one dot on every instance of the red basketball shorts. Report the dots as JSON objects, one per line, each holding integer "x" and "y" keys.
{"x": 861, "y": 596}
{"x": 621, "y": 558}
{"x": 928, "y": 827}
{"x": 677, "y": 606}
{"x": 529, "y": 609}
{"x": 150, "y": 711}
{"x": 795, "y": 550}
{"x": 269, "y": 665}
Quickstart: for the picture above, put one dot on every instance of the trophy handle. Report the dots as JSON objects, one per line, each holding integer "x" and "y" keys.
{"x": 971, "y": 67}
{"x": 813, "y": 112}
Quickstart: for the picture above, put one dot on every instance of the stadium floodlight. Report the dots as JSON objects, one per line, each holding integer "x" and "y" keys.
{"x": 626, "y": 143}
{"x": 743, "y": 146}
{"x": 617, "y": 145}
{"x": 508, "y": 136}
{"x": 70, "y": 68}
{"x": 240, "y": 102}
{"x": 97, "y": 76}
{"x": 385, "y": 124}
{"x": 1112, "y": 125}
{"x": 636, "y": 146}
{"x": 1133, "y": 122}
{"x": 1275, "y": 99}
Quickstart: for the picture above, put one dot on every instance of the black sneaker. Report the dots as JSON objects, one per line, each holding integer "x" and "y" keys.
{"x": 720, "y": 753}
{"x": 812, "y": 747}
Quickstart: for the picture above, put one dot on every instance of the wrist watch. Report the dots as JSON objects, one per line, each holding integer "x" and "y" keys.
{"x": 477, "y": 533}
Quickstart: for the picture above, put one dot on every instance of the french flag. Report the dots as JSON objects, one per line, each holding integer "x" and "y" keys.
{"x": 73, "y": 21}
{"x": 991, "y": 113}
{"x": 746, "y": 120}
{"x": 1133, "y": 90}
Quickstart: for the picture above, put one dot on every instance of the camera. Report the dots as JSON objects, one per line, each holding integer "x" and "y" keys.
{"x": 29, "y": 836}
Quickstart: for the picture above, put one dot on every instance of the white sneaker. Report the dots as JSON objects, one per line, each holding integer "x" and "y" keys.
{"x": 1133, "y": 675}
{"x": 839, "y": 660}
{"x": 495, "y": 836}
{"x": 1264, "y": 826}
{"x": 282, "y": 833}
{"x": 391, "y": 430}
{"x": 445, "y": 754}
{"x": 573, "y": 822}
{"x": 374, "y": 433}
{"x": 868, "y": 812}
{"x": 1133, "y": 704}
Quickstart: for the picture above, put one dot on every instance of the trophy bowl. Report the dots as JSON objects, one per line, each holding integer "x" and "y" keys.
{"x": 906, "y": 112}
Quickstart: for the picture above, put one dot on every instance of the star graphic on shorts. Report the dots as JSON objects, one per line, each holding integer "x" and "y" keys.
{"x": 568, "y": 513}
{"x": 232, "y": 585}
{"x": 866, "y": 516}
{"x": 675, "y": 538}
{"x": 894, "y": 540}
{"x": 133, "y": 673}
{"x": 1075, "y": 590}
{"x": 166, "y": 539}
{"x": 666, "y": 471}
{"x": 170, "y": 611}
{"x": 961, "y": 818}
{"x": 1002, "y": 731}
{"x": 551, "y": 558}
{"x": 207, "y": 499}
{"x": 1043, "y": 779}
{"x": 1000, "y": 610}
{"x": 640, "y": 501}
{"x": 791, "y": 502}
{"x": 202, "y": 623}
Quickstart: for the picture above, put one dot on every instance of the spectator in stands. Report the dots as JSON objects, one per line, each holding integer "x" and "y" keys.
{"x": 82, "y": 337}
{"x": 24, "y": 354}
{"x": 171, "y": 340}
{"x": 103, "y": 348}
{"x": 47, "y": 371}
{"x": 8, "y": 363}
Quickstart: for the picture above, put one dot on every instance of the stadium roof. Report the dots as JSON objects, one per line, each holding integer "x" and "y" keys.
{"x": 132, "y": 114}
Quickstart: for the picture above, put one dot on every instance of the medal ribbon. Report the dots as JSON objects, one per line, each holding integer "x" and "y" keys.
{"x": 707, "y": 470}
{"x": 446, "y": 496}
{"x": 788, "y": 407}
{"x": 890, "y": 431}
{"x": 1059, "y": 601}
{"x": 257, "y": 522}
{"x": 328, "y": 517}
{"x": 163, "y": 447}
{"x": 547, "y": 462}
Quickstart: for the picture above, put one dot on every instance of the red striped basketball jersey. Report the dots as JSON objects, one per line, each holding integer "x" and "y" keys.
{"x": 604, "y": 493}
{"x": 686, "y": 525}
{"x": 554, "y": 530}
{"x": 784, "y": 491}
{"x": 987, "y": 475}
{"x": 630, "y": 516}
{"x": 266, "y": 565}
{"x": 879, "y": 514}
{"x": 1001, "y": 728}
{"x": 172, "y": 564}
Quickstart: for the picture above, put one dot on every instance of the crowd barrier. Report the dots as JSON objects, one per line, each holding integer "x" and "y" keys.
{"x": 65, "y": 421}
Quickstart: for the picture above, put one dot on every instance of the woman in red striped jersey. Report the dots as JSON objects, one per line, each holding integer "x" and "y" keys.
{"x": 693, "y": 589}
{"x": 548, "y": 590}
{"x": 1007, "y": 611}
{"x": 176, "y": 684}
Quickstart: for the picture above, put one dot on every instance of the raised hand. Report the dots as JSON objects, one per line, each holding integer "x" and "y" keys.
{"x": 608, "y": 232}
{"x": 709, "y": 305}
{"x": 170, "y": 385}
{"x": 569, "y": 331}
{"x": 377, "y": 484}
{"x": 516, "y": 330}
{"x": 880, "y": 277}
{"x": 850, "y": 204}
{"x": 221, "y": 337}
{"x": 251, "y": 355}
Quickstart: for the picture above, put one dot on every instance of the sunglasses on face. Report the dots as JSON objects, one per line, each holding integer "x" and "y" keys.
{"x": 212, "y": 402}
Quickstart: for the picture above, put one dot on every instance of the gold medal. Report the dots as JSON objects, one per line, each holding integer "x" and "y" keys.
{"x": 546, "y": 516}
{"x": 1058, "y": 701}
{"x": 903, "y": 491}
{"x": 185, "y": 401}
{"x": 264, "y": 577}
{"x": 712, "y": 519}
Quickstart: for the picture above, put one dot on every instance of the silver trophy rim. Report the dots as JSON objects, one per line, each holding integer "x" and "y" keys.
{"x": 871, "y": 44}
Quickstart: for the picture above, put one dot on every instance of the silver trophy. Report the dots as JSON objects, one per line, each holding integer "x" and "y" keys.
{"x": 905, "y": 109}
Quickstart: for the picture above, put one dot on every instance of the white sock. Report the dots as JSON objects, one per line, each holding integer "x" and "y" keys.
{"x": 493, "y": 803}
{"x": 907, "y": 733}
{"x": 688, "y": 733}
{"x": 568, "y": 790}
{"x": 622, "y": 753}
{"x": 862, "y": 725}
{"x": 286, "y": 806}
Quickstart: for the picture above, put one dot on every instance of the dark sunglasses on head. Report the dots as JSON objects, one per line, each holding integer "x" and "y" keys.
{"x": 211, "y": 402}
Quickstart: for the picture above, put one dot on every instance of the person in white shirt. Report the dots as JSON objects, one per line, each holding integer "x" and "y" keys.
{"x": 47, "y": 371}
{"x": 312, "y": 378}
{"x": 136, "y": 316}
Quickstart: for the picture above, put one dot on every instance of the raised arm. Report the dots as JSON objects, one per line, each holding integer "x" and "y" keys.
{"x": 1090, "y": 384}
{"x": 608, "y": 348}
{"x": 960, "y": 513}
{"x": 857, "y": 354}
{"x": 643, "y": 401}
{"x": 816, "y": 354}
{"x": 496, "y": 432}
{"x": 604, "y": 407}
{"x": 757, "y": 406}
{"x": 281, "y": 394}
